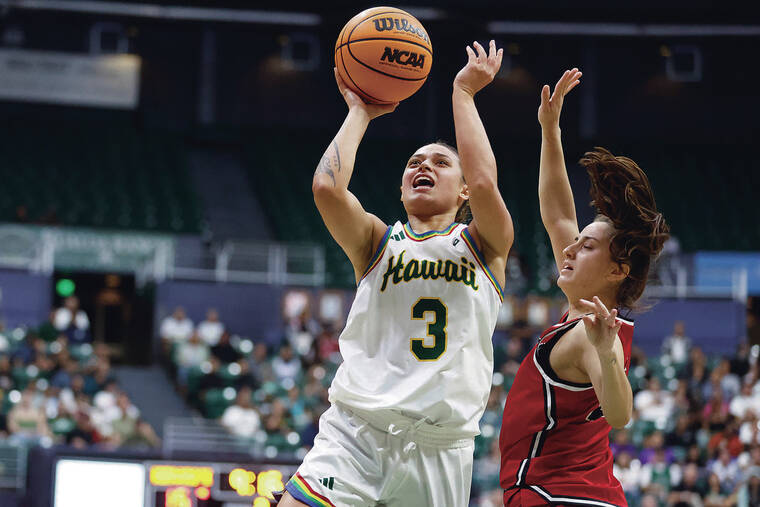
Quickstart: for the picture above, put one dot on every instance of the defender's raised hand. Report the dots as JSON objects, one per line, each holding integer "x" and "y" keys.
{"x": 551, "y": 107}
{"x": 480, "y": 69}
{"x": 601, "y": 325}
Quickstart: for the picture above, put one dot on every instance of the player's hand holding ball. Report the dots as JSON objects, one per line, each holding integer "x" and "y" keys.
{"x": 480, "y": 70}
{"x": 354, "y": 102}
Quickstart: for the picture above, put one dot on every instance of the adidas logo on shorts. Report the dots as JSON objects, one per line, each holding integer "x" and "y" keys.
{"x": 327, "y": 482}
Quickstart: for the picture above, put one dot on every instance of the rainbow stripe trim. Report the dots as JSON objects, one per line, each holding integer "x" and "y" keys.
{"x": 301, "y": 491}
{"x": 482, "y": 261}
{"x": 378, "y": 253}
{"x": 429, "y": 234}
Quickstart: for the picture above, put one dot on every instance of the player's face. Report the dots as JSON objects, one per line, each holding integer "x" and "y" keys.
{"x": 432, "y": 182}
{"x": 588, "y": 269}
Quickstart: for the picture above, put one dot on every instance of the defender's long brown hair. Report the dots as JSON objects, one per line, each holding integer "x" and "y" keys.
{"x": 623, "y": 197}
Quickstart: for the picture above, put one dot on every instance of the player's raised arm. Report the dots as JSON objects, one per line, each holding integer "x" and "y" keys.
{"x": 356, "y": 231}
{"x": 491, "y": 222}
{"x": 554, "y": 193}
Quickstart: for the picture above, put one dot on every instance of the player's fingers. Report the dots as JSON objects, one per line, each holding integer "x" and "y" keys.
{"x": 341, "y": 84}
{"x": 603, "y": 312}
{"x": 470, "y": 53}
{"x": 587, "y": 304}
{"x": 612, "y": 318}
{"x": 492, "y": 49}
{"x": 480, "y": 50}
{"x": 588, "y": 321}
{"x": 571, "y": 86}
{"x": 545, "y": 95}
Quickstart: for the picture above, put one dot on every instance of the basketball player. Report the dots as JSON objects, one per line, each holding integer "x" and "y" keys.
{"x": 572, "y": 387}
{"x": 417, "y": 350}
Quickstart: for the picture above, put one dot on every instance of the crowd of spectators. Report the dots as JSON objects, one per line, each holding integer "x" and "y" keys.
{"x": 270, "y": 395}
{"x": 57, "y": 387}
{"x": 694, "y": 438}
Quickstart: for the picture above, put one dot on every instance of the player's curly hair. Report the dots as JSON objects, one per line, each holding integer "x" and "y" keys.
{"x": 464, "y": 213}
{"x": 623, "y": 197}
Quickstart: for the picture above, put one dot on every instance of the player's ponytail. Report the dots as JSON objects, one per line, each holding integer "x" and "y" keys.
{"x": 623, "y": 197}
{"x": 464, "y": 214}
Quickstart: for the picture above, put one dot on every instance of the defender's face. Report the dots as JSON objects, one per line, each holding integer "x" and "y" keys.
{"x": 432, "y": 181}
{"x": 587, "y": 269}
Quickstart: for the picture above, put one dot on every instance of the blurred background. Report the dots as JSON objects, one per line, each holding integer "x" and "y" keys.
{"x": 170, "y": 301}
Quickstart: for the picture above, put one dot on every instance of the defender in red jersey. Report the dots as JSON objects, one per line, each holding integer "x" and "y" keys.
{"x": 572, "y": 387}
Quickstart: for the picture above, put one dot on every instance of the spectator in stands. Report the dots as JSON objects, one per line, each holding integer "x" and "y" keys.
{"x": 327, "y": 346}
{"x": 748, "y": 493}
{"x": 716, "y": 496}
{"x": 211, "y": 330}
{"x": 260, "y": 366}
{"x": 47, "y": 330}
{"x": 223, "y": 349}
{"x": 687, "y": 493}
{"x": 677, "y": 345}
{"x": 726, "y": 469}
{"x": 128, "y": 429}
{"x": 73, "y": 321}
{"x": 286, "y": 366}
{"x": 486, "y": 469}
{"x": 621, "y": 442}
{"x": 27, "y": 422}
{"x": 656, "y": 475}
{"x": 190, "y": 353}
{"x": 176, "y": 328}
{"x": 241, "y": 419}
{"x": 628, "y": 471}
{"x": 654, "y": 444}
{"x": 246, "y": 378}
{"x": 654, "y": 404}
{"x": 746, "y": 401}
{"x": 741, "y": 363}
{"x": 6, "y": 374}
{"x": 67, "y": 370}
{"x": 683, "y": 435}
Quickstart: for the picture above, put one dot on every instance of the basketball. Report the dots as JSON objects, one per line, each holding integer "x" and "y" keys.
{"x": 384, "y": 54}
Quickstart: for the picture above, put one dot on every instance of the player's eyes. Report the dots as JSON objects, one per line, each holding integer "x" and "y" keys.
{"x": 443, "y": 162}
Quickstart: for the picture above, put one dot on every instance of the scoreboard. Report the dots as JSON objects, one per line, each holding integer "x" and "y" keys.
{"x": 81, "y": 482}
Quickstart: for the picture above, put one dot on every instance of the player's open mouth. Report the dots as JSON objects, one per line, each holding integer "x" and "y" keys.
{"x": 423, "y": 181}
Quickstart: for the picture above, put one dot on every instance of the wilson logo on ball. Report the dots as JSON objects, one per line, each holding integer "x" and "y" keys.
{"x": 403, "y": 25}
{"x": 403, "y": 57}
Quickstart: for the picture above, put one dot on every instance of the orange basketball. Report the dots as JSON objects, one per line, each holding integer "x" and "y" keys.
{"x": 383, "y": 54}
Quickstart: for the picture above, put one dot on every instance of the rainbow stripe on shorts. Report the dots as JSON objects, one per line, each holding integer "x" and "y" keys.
{"x": 301, "y": 491}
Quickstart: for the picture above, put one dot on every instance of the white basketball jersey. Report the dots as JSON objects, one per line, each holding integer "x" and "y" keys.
{"x": 418, "y": 336}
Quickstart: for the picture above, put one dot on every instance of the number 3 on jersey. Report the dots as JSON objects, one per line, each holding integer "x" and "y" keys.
{"x": 436, "y": 329}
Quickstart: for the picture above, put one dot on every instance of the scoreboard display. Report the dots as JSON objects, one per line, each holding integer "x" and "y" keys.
{"x": 81, "y": 482}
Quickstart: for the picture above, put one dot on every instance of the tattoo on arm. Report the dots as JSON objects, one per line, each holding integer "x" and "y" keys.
{"x": 330, "y": 160}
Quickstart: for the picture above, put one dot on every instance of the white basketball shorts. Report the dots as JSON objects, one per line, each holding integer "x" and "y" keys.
{"x": 354, "y": 463}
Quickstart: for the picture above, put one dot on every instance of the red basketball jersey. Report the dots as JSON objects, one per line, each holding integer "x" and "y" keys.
{"x": 554, "y": 438}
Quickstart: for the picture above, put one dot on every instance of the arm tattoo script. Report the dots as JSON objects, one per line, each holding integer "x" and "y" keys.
{"x": 330, "y": 160}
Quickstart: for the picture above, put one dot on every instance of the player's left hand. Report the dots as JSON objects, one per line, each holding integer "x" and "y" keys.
{"x": 480, "y": 69}
{"x": 601, "y": 326}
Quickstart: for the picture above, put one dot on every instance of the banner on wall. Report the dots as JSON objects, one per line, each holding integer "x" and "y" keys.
{"x": 111, "y": 81}
{"x": 724, "y": 269}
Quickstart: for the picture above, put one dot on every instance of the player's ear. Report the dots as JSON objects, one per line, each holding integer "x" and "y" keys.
{"x": 464, "y": 192}
{"x": 619, "y": 272}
